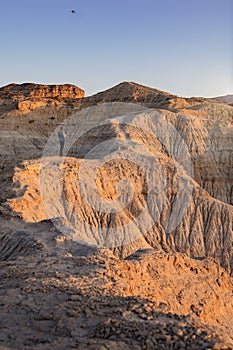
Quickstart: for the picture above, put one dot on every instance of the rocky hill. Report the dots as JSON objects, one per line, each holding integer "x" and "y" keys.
{"x": 131, "y": 92}
{"x": 145, "y": 174}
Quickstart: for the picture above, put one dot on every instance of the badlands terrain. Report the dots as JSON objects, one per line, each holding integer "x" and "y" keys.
{"x": 124, "y": 242}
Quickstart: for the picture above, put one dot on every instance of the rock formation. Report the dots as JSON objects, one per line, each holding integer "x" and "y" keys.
{"x": 28, "y": 96}
{"x": 146, "y": 174}
{"x": 19, "y": 92}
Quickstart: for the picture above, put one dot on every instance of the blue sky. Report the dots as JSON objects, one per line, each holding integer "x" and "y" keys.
{"x": 180, "y": 46}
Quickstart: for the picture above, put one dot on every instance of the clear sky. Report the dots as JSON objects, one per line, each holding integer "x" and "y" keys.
{"x": 180, "y": 46}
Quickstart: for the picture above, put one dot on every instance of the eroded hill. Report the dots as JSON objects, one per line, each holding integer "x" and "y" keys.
{"x": 132, "y": 178}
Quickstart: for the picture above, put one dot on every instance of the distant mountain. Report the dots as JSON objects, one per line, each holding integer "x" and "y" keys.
{"x": 226, "y": 98}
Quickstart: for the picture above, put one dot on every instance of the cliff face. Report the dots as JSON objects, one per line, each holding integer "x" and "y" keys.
{"x": 26, "y": 97}
{"x": 18, "y": 92}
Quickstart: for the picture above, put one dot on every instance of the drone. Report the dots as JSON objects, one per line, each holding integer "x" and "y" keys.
{"x": 73, "y": 11}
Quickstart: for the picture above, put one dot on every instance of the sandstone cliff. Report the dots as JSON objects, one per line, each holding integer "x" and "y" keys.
{"x": 19, "y": 92}
{"x": 29, "y": 96}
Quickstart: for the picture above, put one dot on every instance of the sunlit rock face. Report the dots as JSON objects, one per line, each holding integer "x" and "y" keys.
{"x": 28, "y": 96}
{"x": 19, "y": 92}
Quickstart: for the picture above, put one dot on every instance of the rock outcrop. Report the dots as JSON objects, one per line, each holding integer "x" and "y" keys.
{"x": 28, "y": 114}
{"x": 28, "y": 96}
{"x": 19, "y": 92}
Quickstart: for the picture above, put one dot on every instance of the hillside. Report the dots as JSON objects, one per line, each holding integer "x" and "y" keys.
{"x": 129, "y": 233}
